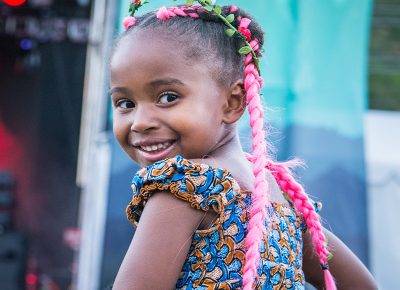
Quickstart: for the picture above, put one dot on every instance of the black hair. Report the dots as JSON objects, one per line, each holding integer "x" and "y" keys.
{"x": 204, "y": 39}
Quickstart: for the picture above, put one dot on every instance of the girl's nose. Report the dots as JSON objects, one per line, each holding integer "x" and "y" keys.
{"x": 144, "y": 119}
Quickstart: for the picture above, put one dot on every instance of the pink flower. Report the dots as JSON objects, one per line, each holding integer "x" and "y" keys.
{"x": 246, "y": 32}
{"x": 129, "y": 21}
{"x": 163, "y": 13}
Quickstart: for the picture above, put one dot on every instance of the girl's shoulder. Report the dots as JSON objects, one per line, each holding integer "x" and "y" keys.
{"x": 205, "y": 187}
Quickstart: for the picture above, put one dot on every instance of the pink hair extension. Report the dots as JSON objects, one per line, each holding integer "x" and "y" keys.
{"x": 303, "y": 205}
{"x": 260, "y": 199}
{"x": 281, "y": 172}
{"x": 244, "y": 22}
{"x": 329, "y": 280}
{"x": 166, "y": 13}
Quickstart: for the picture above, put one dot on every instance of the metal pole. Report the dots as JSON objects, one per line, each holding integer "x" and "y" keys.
{"x": 94, "y": 148}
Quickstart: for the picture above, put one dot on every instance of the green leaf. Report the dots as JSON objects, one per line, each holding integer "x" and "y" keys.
{"x": 208, "y": 8}
{"x": 208, "y": 1}
{"x": 245, "y": 50}
{"x": 257, "y": 64}
{"x": 189, "y": 2}
{"x": 230, "y": 18}
{"x": 217, "y": 9}
{"x": 230, "y": 32}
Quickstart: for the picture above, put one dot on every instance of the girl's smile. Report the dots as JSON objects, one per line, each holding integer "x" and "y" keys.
{"x": 154, "y": 149}
{"x": 164, "y": 103}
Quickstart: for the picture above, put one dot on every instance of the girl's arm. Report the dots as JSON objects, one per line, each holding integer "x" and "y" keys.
{"x": 160, "y": 245}
{"x": 348, "y": 271}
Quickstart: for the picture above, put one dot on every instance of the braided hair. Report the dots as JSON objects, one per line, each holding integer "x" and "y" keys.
{"x": 204, "y": 39}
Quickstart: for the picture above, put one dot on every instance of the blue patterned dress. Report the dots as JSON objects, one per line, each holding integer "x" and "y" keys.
{"x": 216, "y": 256}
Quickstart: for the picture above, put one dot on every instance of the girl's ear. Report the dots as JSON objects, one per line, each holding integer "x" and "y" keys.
{"x": 235, "y": 102}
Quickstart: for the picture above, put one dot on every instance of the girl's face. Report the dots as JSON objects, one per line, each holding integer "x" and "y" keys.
{"x": 163, "y": 103}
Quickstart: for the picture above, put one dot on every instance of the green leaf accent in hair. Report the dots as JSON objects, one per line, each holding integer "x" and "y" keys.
{"x": 217, "y": 9}
{"x": 245, "y": 50}
{"x": 230, "y": 18}
{"x": 256, "y": 62}
{"x": 230, "y": 32}
{"x": 189, "y": 2}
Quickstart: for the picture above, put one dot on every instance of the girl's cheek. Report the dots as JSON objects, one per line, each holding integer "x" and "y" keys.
{"x": 119, "y": 129}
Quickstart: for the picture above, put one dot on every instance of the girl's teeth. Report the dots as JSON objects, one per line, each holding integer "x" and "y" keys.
{"x": 156, "y": 147}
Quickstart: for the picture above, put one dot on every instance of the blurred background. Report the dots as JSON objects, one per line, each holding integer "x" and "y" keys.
{"x": 332, "y": 88}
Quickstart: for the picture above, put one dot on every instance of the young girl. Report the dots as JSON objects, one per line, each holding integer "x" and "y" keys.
{"x": 211, "y": 217}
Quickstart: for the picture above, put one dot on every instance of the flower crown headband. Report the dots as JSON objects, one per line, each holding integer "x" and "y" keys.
{"x": 209, "y": 6}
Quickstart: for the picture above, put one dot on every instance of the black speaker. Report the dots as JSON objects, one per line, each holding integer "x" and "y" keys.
{"x": 13, "y": 257}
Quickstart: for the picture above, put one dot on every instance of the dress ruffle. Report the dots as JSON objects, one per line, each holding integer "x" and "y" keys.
{"x": 201, "y": 185}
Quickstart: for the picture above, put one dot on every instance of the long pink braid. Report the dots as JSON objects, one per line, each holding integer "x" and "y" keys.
{"x": 303, "y": 205}
{"x": 260, "y": 200}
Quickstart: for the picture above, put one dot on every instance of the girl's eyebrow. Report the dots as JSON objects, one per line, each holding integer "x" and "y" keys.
{"x": 166, "y": 81}
{"x": 118, "y": 90}
{"x": 152, "y": 84}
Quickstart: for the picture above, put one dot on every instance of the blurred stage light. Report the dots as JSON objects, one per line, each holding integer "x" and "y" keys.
{"x": 40, "y": 3}
{"x": 25, "y": 44}
{"x": 14, "y": 2}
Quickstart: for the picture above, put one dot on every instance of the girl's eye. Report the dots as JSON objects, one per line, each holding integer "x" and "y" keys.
{"x": 167, "y": 98}
{"x": 124, "y": 104}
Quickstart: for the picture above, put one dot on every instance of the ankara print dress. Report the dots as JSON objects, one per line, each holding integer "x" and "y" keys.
{"x": 216, "y": 256}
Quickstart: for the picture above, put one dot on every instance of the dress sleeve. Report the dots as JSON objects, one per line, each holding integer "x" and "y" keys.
{"x": 201, "y": 185}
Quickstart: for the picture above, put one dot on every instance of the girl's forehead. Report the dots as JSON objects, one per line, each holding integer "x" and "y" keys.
{"x": 142, "y": 45}
{"x": 156, "y": 51}
{"x": 136, "y": 41}
{"x": 139, "y": 59}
